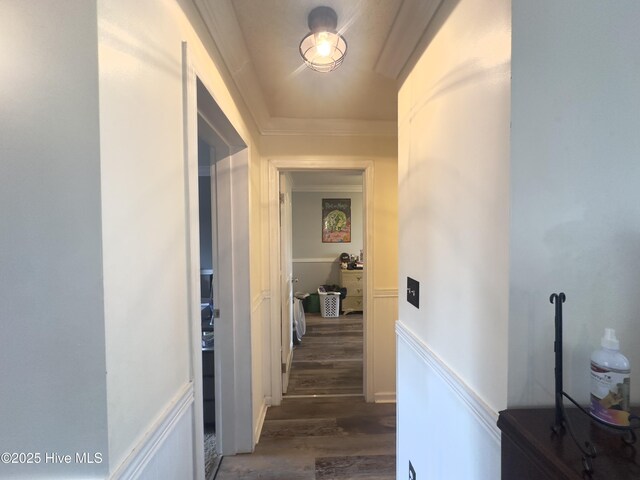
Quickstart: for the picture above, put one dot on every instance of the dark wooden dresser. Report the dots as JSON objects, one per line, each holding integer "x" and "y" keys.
{"x": 531, "y": 451}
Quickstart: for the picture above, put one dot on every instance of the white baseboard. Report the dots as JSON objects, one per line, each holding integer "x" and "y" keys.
{"x": 484, "y": 414}
{"x": 384, "y": 397}
{"x": 149, "y": 445}
{"x": 257, "y": 431}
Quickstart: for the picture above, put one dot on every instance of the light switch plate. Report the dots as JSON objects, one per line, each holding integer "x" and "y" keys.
{"x": 413, "y": 292}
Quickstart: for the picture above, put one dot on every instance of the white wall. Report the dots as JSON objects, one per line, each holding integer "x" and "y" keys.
{"x": 307, "y": 239}
{"x": 145, "y": 215}
{"x": 143, "y": 200}
{"x": 52, "y": 360}
{"x": 453, "y": 176}
{"x": 575, "y": 219}
{"x": 94, "y": 258}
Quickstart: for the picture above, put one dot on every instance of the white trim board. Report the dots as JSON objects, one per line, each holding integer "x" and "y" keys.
{"x": 385, "y": 397}
{"x": 151, "y": 442}
{"x": 258, "y": 299}
{"x": 190, "y": 122}
{"x": 287, "y": 373}
{"x": 260, "y": 421}
{"x": 485, "y": 415}
{"x": 315, "y": 260}
{"x": 327, "y": 188}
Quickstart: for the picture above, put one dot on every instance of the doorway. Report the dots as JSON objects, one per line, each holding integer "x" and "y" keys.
{"x": 326, "y": 166}
{"x": 325, "y": 255}
{"x": 209, "y": 292}
{"x": 226, "y": 171}
{"x": 223, "y": 173}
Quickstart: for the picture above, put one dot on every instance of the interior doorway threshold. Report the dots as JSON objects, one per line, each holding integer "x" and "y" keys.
{"x": 325, "y": 395}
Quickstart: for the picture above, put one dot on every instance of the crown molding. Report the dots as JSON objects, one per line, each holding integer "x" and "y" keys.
{"x": 410, "y": 24}
{"x": 223, "y": 26}
{"x": 225, "y": 30}
{"x": 327, "y": 188}
{"x": 331, "y": 127}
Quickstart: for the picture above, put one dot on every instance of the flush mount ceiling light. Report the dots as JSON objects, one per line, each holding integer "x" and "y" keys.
{"x": 323, "y": 48}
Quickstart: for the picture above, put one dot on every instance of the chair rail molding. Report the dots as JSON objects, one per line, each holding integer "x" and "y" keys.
{"x": 149, "y": 446}
{"x": 486, "y": 416}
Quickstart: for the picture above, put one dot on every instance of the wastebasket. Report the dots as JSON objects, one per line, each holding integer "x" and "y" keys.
{"x": 311, "y": 304}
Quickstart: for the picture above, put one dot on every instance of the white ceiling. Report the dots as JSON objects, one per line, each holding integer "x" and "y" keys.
{"x": 258, "y": 41}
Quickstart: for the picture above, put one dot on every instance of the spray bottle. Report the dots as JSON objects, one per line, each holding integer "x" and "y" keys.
{"x": 610, "y": 381}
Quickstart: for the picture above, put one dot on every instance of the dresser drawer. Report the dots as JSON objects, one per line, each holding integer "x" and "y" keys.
{"x": 354, "y": 289}
{"x": 353, "y": 281}
{"x": 355, "y": 276}
{"x": 352, "y": 303}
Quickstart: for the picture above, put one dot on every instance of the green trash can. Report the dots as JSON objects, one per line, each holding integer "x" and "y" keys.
{"x": 311, "y": 304}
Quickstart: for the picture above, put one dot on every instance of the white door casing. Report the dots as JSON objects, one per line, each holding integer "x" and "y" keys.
{"x": 193, "y": 253}
{"x": 234, "y": 415}
{"x": 275, "y": 167}
{"x": 286, "y": 278}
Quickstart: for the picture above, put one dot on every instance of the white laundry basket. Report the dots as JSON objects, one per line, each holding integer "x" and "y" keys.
{"x": 329, "y": 303}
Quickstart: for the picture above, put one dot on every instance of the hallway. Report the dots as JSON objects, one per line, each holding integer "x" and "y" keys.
{"x": 337, "y": 436}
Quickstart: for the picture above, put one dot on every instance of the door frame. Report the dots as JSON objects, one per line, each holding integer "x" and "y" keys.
{"x": 297, "y": 164}
{"x": 286, "y": 314}
{"x": 234, "y": 409}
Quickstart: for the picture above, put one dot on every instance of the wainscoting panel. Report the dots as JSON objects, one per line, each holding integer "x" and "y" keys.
{"x": 444, "y": 429}
{"x": 384, "y": 315}
{"x": 166, "y": 451}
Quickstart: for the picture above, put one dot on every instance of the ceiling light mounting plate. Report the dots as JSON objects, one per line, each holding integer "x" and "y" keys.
{"x": 323, "y": 19}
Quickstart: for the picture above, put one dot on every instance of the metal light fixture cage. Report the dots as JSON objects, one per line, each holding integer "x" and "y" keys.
{"x": 323, "y": 48}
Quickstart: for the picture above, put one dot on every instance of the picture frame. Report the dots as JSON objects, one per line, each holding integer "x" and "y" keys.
{"x": 336, "y": 220}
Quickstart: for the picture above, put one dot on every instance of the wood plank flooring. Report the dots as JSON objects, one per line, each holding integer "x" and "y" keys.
{"x": 327, "y": 437}
{"x": 329, "y": 359}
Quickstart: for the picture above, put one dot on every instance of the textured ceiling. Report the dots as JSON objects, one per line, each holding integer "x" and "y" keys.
{"x": 272, "y": 30}
{"x": 258, "y": 41}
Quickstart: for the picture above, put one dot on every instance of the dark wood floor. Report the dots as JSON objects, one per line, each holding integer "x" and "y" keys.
{"x": 329, "y": 359}
{"x": 333, "y": 437}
